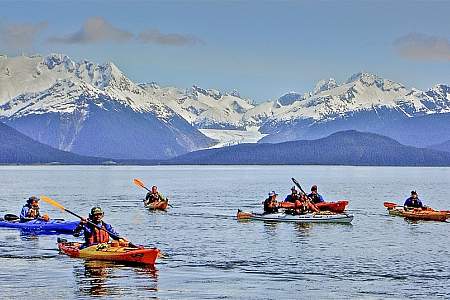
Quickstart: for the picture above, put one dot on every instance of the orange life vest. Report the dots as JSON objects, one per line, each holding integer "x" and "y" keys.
{"x": 98, "y": 236}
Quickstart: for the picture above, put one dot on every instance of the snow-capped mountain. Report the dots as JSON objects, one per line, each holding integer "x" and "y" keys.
{"x": 90, "y": 109}
{"x": 203, "y": 108}
{"x": 95, "y": 109}
{"x": 364, "y": 102}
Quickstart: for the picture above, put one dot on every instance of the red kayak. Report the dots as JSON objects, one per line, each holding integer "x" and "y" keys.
{"x": 335, "y": 207}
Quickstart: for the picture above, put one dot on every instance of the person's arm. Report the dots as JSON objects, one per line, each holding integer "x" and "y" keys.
{"x": 82, "y": 226}
{"x": 78, "y": 229}
{"x": 24, "y": 214}
{"x": 407, "y": 203}
{"x": 420, "y": 203}
{"x": 111, "y": 229}
{"x": 147, "y": 197}
{"x": 320, "y": 198}
{"x": 161, "y": 197}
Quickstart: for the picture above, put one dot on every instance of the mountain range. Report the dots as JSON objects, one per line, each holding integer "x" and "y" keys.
{"x": 342, "y": 148}
{"x": 95, "y": 110}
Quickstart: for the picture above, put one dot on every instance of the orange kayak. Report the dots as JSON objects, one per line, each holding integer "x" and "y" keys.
{"x": 420, "y": 214}
{"x": 428, "y": 215}
{"x": 158, "y": 205}
{"x": 335, "y": 207}
{"x": 110, "y": 252}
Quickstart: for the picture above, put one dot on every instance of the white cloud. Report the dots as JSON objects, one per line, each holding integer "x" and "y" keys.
{"x": 95, "y": 30}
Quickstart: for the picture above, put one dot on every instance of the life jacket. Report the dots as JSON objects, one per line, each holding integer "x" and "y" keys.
{"x": 153, "y": 197}
{"x": 98, "y": 236}
{"x": 270, "y": 206}
{"x": 33, "y": 212}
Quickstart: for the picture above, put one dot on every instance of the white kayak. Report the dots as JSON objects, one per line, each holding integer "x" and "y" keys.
{"x": 304, "y": 218}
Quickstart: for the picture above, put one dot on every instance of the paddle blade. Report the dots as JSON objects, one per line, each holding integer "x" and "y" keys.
{"x": 139, "y": 183}
{"x": 390, "y": 204}
{"x": 52, "y": 202}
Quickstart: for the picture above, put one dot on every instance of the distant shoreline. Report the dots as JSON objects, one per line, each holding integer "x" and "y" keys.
{"x": 221, "y": 165}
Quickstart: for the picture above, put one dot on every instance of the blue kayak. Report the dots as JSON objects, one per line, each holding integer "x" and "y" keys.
{"x": 52, "y": 226}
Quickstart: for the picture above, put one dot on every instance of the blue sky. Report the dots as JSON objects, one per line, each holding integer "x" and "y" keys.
{"x": 261, "y": 48}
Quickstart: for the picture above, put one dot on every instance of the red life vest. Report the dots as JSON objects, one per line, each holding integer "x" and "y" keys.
{"x": 98, "y": 236}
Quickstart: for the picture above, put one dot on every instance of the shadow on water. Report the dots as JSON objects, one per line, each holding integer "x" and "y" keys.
{"x": 101, "y": 278}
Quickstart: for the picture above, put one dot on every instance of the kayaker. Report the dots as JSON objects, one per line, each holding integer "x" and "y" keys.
{"x": 92, "y": 234}
{"x": 154, "y": 196}
{"x": 413, "y": 201}
{"x": 270, "y": 204}
{"x": 293, "y": 196}
{"x": 30, "y": 211}
{"x": 315, "y": 196}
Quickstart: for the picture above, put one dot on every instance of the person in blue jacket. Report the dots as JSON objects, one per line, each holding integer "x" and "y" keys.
{"x": 413, "y": 201}
{"x": 30, "y": 211}
{"x": 315, "y": 196}
{"x": 293, "y": 196}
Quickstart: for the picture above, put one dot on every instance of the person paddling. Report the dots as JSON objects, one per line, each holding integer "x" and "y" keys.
{"x": 413, "y": 201}
{"x": 92, "y": 234}
{"x": 30, "y": 211}
{"x": 293, "y": 196}
{"x": 270, "y": 204}
{"x": 315, "y": 196}
{"x": 154, "y": 196}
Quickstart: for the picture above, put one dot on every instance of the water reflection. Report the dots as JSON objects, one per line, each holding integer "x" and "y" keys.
{"x": 101, "y": 278}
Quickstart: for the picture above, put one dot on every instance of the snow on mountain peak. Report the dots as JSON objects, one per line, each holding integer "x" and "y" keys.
{"x": 196, "y": 90}
{"x": 235, "y": 93}
{"x": 325, "y": 85}
{"x": 57, "y": 59}
{"x": 289, "y": 98}
{"x": 368, "y": 79}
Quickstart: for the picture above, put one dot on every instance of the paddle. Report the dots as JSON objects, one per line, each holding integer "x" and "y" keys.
{"x": 300, "y": 188}
{"x": 57, "y": 205}
{"x": 141, "y": 184}
{"x": 12, "y": 217}
{"x": 391, "y": 205}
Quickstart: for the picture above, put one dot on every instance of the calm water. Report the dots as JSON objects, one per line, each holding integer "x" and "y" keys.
{"x": 210, "y": 255}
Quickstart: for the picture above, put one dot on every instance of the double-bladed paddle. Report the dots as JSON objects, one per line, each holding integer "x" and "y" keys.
{"x": 57, "y": 205}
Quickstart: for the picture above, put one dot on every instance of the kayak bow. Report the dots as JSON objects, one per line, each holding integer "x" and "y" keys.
{"x": 41, "y": 226}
